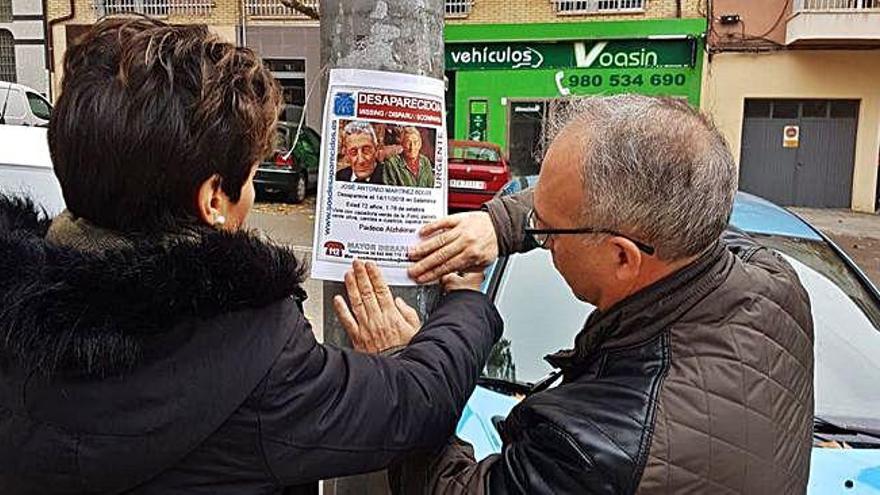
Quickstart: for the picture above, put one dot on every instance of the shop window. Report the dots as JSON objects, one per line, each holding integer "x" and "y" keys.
{"x": 5, "y": 10}
{"x": 7, "y": 56}
{"x": 597, "y": 6}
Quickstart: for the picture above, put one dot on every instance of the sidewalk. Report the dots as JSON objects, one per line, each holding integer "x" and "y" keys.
{"x": 856, "y": 233}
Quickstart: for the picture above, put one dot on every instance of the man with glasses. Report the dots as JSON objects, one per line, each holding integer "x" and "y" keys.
{"x": 693, "y": 374}
{"x": 359, "y": 144}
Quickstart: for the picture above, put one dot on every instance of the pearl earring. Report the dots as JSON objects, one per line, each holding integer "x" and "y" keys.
{"x": 219, "y": 220}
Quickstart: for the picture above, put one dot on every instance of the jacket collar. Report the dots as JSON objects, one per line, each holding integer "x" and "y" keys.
{"x": 93, "y": 311}
{"x": 647, "y": 312}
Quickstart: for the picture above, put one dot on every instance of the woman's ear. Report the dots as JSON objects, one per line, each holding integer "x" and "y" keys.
{"x": 211, "y": 202}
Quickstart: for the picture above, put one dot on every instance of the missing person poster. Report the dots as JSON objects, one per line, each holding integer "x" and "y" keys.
{"x": 382, "y": 173}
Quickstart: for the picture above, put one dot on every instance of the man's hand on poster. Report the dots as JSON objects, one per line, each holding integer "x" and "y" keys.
{"x": 377, "y": 321}
{"x": 463, "y": 242}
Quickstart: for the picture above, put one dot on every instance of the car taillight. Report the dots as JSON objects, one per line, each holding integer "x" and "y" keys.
{"x": 282, "y": 162}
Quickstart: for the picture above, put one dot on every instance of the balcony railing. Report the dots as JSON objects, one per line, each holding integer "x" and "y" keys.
{"x": 459, "y": 8}
{"x": 597, "y": 6}
{"x": 274, "y": 8}
{"x": 154, "y": 8}
{"x": 836, "y": 5}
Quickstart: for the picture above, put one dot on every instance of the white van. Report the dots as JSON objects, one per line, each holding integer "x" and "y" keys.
{"x": 26, "y": 167}
{"x": 21, "y": 105}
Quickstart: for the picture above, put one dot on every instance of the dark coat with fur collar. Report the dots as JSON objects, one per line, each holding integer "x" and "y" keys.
{"x": 189, "y": 367}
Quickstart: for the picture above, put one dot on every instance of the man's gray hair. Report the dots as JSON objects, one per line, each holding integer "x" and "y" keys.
{"x": 359, "y": 127}
{"x": 654, "y": 168}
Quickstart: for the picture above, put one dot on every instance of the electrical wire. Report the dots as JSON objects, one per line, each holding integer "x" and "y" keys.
{"x": 302, "y": 116}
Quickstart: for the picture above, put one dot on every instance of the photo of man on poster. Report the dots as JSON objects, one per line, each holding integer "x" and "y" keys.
{"x": 361, "y": 151}
{"x": 411, "y": 168}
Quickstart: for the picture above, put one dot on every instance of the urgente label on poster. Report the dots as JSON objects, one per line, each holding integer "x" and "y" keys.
{"x": 383, "y": 170}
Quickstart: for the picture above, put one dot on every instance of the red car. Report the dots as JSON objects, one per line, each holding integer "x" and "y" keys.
{"x": 477, "y": 170}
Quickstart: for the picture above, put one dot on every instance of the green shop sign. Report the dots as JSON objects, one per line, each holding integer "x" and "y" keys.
{"x": 612, "y": 54}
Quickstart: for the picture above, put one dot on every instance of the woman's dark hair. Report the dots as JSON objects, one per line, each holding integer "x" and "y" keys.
{"x": 148, "y": 112}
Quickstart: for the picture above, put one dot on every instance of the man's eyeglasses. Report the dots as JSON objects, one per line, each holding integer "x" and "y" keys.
{"x": 542, "y": 236}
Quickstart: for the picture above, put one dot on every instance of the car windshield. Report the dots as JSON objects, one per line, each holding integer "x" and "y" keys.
{"x": 474, "y": 153}
{"x": 846, "y": 315}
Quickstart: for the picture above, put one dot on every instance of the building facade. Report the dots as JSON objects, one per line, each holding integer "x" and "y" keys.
{"x": 23, "y": 44}
{"x": 794, "y": 88}
{"x": 69, "y": 19}
{"x": 511, "y": 65}
{"x": 290, "y": 44}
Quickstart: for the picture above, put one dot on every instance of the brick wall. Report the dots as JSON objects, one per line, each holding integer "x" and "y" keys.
{"x": 527, "y": 11}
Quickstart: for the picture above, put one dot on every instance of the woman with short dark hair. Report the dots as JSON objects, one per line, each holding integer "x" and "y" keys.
{"x": 149, "y": 344}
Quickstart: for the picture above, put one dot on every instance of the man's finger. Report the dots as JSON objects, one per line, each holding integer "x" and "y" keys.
{"x": 446, "y": 222}
{"x": 368, "y": 295}
{"x": 409, "y": 314}
{"x": 444, "y": 260}
{"x": 346, "y": 319}
{"x": 383, "y": 293}
{"x": 437, "y": 273}
{"x": 431, "y": 245}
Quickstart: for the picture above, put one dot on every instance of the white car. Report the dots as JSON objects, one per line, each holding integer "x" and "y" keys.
{"x": 21, "y": 105}
{"x": 26, "y": 167}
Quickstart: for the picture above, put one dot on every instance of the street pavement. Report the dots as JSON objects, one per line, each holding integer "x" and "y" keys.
{"x": 858, "y": 234}
{"x": 294, "y": 225}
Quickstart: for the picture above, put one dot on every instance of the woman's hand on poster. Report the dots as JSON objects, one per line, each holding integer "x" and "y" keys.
{"x": 376, "y": 320}
{"x": 464, "y": 242}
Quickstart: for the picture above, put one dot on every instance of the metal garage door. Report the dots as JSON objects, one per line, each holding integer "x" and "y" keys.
{"x": 813, "y": 165}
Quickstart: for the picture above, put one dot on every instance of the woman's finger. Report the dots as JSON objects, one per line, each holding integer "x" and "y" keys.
{"x": 367, "y": 292}
{"x": 409, "y": 314}
{"x": 346, "y": 319}
{"x": 354, "y": 295}
{"x": 380, "y": 288}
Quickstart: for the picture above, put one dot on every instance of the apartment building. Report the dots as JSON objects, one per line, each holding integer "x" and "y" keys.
{"x": 23, "y": 44}
{"x": 793, "y": 84}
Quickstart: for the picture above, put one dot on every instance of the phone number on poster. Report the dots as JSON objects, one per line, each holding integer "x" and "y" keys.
{"x": 626, "y": 80}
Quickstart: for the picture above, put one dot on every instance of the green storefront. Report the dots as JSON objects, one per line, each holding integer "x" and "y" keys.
{"x": 505, "y": 80}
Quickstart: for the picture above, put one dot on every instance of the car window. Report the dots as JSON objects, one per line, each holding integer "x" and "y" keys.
{"x": 475, "y": 153}
{"x": 281, "y": 138}
{"x": 536, "y": 322}
{"x": 39, "y": 106}
{"x": 846, "y": 316}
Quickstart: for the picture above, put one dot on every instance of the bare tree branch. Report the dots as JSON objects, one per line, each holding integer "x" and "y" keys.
{"x": 305, "y": 10}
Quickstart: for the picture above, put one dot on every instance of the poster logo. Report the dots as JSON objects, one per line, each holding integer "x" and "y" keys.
{"x": 334, "y": 248}
{"x": 343, "y": 105}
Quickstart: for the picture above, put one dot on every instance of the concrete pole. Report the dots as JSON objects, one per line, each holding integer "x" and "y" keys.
{"x": 391, "y": 35}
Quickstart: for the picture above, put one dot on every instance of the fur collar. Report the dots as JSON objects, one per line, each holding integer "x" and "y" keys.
{"x": 91, "y": 312}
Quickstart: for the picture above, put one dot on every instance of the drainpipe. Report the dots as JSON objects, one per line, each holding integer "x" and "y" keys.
{"x": 678, "y": 9}
{"x": 50, "y": 44}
